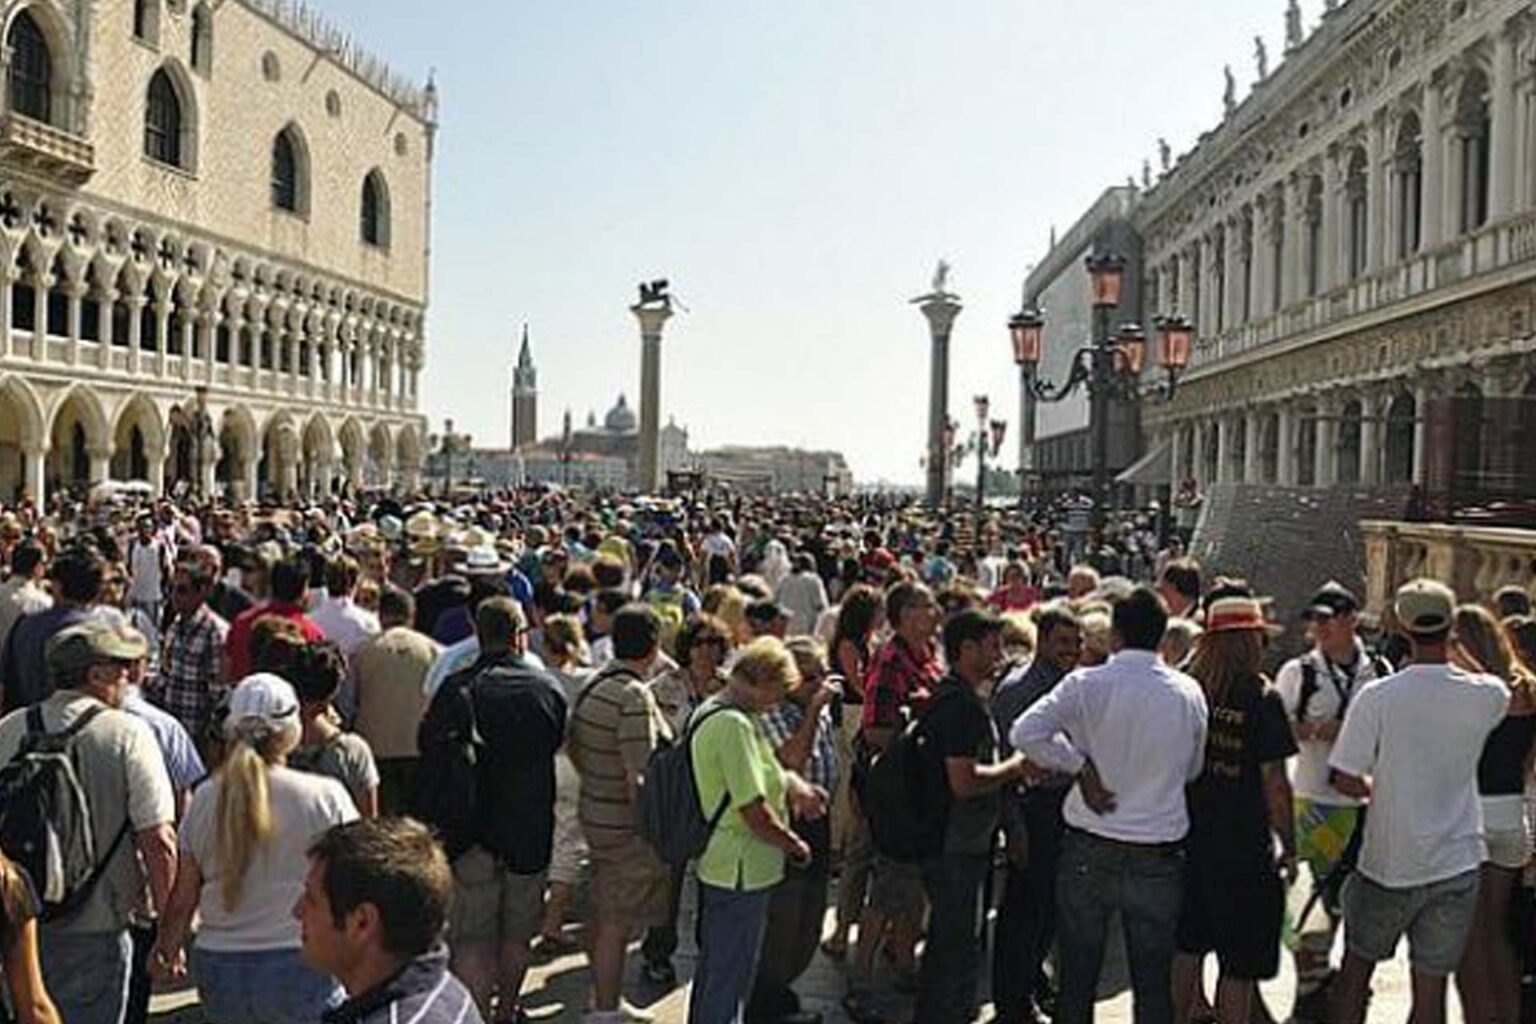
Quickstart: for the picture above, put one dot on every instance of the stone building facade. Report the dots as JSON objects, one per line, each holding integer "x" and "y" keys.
{"x": 1055, "y": 450}
{"x": 1356, "y": 244}
{"x": 214, "y": 228}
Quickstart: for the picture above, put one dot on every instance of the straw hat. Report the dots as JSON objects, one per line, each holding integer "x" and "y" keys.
{"x": 1228, "y": 614}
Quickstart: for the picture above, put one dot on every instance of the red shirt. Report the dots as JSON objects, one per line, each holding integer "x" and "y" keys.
{"x": 1013, "y": 599}
{"x": 898, "y": 677}
{"x": 237, "y": 646}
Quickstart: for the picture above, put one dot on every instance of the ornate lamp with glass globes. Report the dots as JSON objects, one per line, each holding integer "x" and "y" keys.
{"x": 1109, "y": 365}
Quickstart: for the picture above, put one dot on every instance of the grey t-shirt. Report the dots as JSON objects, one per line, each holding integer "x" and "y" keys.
{"x": 345, "y": 757}
{"x": 125, "y": 780}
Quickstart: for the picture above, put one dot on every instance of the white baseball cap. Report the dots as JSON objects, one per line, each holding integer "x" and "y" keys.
{"x": 263, "y": 696}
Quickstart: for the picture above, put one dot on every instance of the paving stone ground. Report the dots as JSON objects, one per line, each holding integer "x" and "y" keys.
{"x": 557, "y": 991}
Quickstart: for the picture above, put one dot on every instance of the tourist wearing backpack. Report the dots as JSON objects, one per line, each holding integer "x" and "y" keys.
{"x": 735, "y": 764}
{"x": 1317, "y": 688}
{"x": 965, "y": 751}
{"x": 519, "y": 714}
{"x": 615, "y": 726}
{"x": 120, "y": 839}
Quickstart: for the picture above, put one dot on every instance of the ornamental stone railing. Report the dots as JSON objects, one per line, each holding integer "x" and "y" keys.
{"x": 1475, "y": 561}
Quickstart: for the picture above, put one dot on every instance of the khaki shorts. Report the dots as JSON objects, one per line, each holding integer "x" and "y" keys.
{"x": 897, "y": 890}
{"x": 492, "y": 904}
{"x": 631, "y": 886}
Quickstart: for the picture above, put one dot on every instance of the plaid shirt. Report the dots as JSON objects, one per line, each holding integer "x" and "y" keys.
{"x": 191, "y": 679}
{"x": 780, "y": 723}
{"x": 898, "y": 678}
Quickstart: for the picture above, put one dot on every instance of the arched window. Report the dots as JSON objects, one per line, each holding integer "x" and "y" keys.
{"x": 1474, "y": 131}
{"x": 286, "y": 187}
{"x": 1408, "y": 174}
{"x": 202, "y": 39}
{"x": 29, "y": 81}
{"x": 1350, "y": 420}
{"x": 1356, "y": 198}
{"x": 163, "y": 121}
{"x": 1400, "y": 430}
{"x": 375, "y": 210}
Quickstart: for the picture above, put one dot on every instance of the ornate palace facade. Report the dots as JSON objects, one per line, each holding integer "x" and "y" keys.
{"x": 1356, "y": 243}
{"x": 214, "y": 226}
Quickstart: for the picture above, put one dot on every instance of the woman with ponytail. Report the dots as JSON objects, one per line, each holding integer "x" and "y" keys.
{"x": 243, "y": 864}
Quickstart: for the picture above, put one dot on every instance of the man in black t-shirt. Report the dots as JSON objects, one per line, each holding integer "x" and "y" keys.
{"x": 520, "y": 713}
{"x": 964, "y": 739}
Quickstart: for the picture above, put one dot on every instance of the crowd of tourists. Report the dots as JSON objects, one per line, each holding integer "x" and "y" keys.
{"x": 371, "y": 760}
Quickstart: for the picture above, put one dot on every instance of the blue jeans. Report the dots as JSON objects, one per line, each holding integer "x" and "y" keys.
{"x": 731, "y": 925}
{"x": 946, "y": 988}
{"x": 268, "y": 986}
{"x": 1146, "y": 885}
{"x": 87, "y": 974}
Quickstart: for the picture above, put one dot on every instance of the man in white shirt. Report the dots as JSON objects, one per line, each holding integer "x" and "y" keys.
{"x": 344, "y": 623}
{"x": 151, "y": 559}
{"x": 23, "y": 593}
{"x": 1316, "y": 689}
{"x": 803, "y": 594}
{"x": 1132, "y": 733}
{"x": 1411, "y": 744}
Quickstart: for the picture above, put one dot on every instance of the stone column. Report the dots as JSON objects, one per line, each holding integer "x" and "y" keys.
{"x": 1251, "y": 470}
{"x": 1371, "y": 436}
{"x": 1185, "y": 268}
{"x": 1325, "y": 455}
{"x": 41, "y": 282}
{"x": 1433, "y": 206}
{"x": 1263, "y": 260}
{"x": 34, "y": 465}
{"x": 1293, "y": 273}
{"x": 653, "y": 316}
{"x": 7, "y": 279}
{"x": 162, "y": 334}
{"x": 188, "y": 327}
{"x": 1285, "y": 473}
{"x": 1235, "y": 278}
{"x": 154, "y": 457}
{"x": 1224, "y": 430}
{"x": 76, "y": 290}
{"x": 136, "y": 304}
{"x": 1421, "y": 393}
{"x": 251, "y": 485}
{"x": 940, "y": 309}
{"x": 1207, "y": 298}
{"x": 98, "y": 463}
{"x": 1501, "y": 157}
{"x": 1377, "y": 192}
{"x": 208, "y": 471}
{"x": 1334, "y": 198}
{"x": 109, "y": 299}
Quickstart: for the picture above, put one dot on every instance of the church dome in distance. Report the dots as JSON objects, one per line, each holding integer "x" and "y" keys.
{"x": 621, "y": 419}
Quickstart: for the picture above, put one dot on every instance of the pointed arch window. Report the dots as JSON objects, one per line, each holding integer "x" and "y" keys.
{"x": 287, "y": 189}
{"x": 163, "y": 118}
{"x": 29, "y": 78}
{"x": 375, "y": 210}
{"x": 1474, "y": 130}
{"x": 1312, "y": 218}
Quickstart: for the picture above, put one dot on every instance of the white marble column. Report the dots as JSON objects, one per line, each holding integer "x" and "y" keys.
{"x": 1325, "y": 436}
{"x": 136, "y": 304}
{"x": 34, "y": 464}
{"x": 1501, "y": 184}
{"x": 76, "y": 291}
{"x": 1433, "y": 147}
{"x": 108, "y": 301}
{"x": 98, "y": 463}
{"x": 7, "y": 279}
{"x": 1421, "y": 393}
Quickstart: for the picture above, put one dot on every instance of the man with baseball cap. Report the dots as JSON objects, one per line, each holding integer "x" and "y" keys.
{"x": 86, "y": 953}
{"x": 1317, "y": 688}
{"x": 1411, "y": 743}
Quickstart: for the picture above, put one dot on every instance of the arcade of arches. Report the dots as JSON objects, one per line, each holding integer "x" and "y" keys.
{"x": 79, "y": 436}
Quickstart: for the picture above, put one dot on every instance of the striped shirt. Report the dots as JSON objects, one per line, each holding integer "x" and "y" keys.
{"x": 614, "y": 727}
{"x": 423, "y": 992}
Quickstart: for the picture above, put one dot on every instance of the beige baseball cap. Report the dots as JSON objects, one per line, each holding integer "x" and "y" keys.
{"x": 1425, "y": 606}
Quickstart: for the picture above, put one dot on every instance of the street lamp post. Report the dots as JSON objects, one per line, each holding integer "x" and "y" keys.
{"x": 1109, "y": 366}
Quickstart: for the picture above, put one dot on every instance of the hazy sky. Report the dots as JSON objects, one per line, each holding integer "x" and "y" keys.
{"x": 796, "y": 168}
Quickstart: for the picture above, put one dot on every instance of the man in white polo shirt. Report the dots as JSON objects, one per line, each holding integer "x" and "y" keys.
{"x": 1132, "y": 733}
{"x": 1410, "y": 743}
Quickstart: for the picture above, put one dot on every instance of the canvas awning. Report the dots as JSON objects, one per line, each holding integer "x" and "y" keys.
{"x": 1154, "y": 469}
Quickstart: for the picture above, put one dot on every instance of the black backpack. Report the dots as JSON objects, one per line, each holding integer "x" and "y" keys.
{"x": 447, "y": 779}
{"x": 1380, "y": 668}
{"x": 45, "y": 817}
{"x": 906, "y": 797}
{"x": 669, "y": 815}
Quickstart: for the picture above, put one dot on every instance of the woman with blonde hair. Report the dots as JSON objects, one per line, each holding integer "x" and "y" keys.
{"x": 1488, "y": 980}
{"x": 729, "y": 605}
{"x": 736, "y": 769}
{"x": 29, "y": 999}
{"x": 1234, "y": 891}
{"x": 243, "y": 864}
